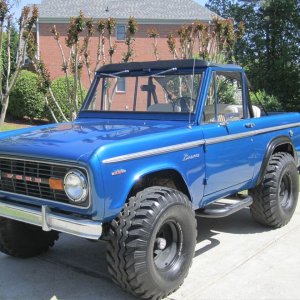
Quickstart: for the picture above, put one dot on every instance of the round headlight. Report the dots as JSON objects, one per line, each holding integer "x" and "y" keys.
{"x": 76, "y": 186}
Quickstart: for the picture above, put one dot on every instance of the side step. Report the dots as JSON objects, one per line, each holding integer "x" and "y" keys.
{"x": 221, "y": 209}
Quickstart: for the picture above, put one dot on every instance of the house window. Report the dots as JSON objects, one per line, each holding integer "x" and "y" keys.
{"x": 121, "y": 32}
{"x": 121, "y": 85}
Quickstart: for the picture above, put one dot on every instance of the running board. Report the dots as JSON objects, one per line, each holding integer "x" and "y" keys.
{"x": 214, "y": 210}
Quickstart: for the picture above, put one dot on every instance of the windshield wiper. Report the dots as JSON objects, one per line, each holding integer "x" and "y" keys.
{"x": 163, "y": 72}
{"x": 114, "y": 75}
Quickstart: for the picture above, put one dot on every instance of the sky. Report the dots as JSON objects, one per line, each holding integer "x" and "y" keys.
{"x": 17, "y": 9}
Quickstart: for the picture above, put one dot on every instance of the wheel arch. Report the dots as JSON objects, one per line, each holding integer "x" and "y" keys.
{"x": 167, "y": 177}
{"x": 279, "y": 144}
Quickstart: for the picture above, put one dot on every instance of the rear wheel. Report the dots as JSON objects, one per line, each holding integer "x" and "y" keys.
{"x": 275, "y": 199}
{"x": 24, "y": 240}
{"x": 152, "y": 243}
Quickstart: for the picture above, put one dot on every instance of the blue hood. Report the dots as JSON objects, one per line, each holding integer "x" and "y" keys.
{"x": 77, "y": 140}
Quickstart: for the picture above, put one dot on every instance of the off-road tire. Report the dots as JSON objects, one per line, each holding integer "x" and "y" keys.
{"x": 134, "y": 260}
{"x": 275, "y": 199}
{"x": 24, "y": 240}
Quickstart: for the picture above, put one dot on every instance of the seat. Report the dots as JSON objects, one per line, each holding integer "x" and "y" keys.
{"x": 224, "y": 111}
{"x": 164, "y": 107}
{"x": 256, "y": 111}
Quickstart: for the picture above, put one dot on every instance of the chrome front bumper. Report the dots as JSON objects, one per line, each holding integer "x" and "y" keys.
{"x": 49, "y": 220}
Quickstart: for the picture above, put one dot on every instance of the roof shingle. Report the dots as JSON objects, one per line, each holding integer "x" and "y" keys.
{"x": 140, "y": 9}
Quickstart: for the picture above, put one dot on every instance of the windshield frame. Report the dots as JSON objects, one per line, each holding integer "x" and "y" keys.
{"x": 84, "y": 113}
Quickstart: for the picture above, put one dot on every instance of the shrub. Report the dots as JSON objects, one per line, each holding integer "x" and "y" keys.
{"x": 269, "y": 102}
{"x": 59, "y": 88}
{"x": 225, "y": 91}
{"x": 25, "y": 99}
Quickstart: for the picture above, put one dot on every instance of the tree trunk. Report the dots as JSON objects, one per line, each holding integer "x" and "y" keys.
{"x": 57, "y": 105}
{"x": 50, "y": 109}
{"x": 76, "y": 78}
{"x": 3, "y": 111}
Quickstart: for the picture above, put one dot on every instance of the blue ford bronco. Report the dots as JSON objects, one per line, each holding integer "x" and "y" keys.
{"x": 155, "y": 145}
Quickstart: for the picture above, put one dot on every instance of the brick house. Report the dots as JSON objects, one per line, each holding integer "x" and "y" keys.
{"x": 165, "y": 15}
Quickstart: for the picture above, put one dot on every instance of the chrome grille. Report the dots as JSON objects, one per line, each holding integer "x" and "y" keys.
{"x": 31, "y": 178}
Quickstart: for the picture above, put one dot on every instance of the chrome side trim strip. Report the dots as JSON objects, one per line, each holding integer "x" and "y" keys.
{"x": 195, "y": 144}
{"x": 248, "y": 134}
{"x": 49, "y": 220}
{"x": 228, "y": 138}
{"x": 152, "y": 152}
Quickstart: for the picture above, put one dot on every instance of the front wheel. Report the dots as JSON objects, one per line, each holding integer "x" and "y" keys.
{"x": 275, "y": 199}
{"x": 152, "y": 243}
{"x": 24, "y": 240}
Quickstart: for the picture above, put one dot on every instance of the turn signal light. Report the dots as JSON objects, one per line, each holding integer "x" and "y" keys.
{"x": 56, "y": 184}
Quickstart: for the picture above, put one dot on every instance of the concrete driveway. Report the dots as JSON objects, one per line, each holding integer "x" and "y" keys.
{"x": 235, "y": 259}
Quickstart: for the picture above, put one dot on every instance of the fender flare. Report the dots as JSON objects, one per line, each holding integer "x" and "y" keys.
{"x": 157, "y": 169}
{"x": 273, "y": 144}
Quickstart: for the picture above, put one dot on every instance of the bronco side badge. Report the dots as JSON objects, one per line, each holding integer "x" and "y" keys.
{"x": 118, "y": 172}
{"x": 189, "y": 156}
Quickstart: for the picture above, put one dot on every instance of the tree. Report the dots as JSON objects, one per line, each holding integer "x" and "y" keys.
{"x": 110, "y": 27}
{"x": 12, "y": 70}
{"x": 154, "y": 34}
{"x": 171, "y": 41}
{"x": 281, "y": 25}
{"x": 270, "y": 47}
{"x": 220, "y": 7}
{"x": 76, "y": 27}
{"x": 132, "y": 29}
{"x": 214, "y": 42}
{"x": 101, "y": 58}
{"x": 77, "y": 59}
{"x": 73, "y": 62}
{"x": 14, "y": 36}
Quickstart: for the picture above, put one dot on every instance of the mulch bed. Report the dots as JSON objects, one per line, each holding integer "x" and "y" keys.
{"x": 21, "y": 123}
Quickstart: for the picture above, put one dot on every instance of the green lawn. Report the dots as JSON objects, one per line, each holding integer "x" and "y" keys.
{"x": 7, "y": 127}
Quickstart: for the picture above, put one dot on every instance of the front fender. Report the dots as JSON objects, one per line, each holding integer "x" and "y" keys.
{"x": 120, "y": 178}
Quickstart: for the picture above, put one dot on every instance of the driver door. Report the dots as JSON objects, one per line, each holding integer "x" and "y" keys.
{"x": 229, "y": 152}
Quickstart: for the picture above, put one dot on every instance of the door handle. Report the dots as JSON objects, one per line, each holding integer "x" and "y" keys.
{"x": 224, "y": 124}
{"x": 249, "y": 125}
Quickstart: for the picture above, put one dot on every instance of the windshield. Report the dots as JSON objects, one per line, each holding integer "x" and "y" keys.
{"x": 156, "y": 93}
